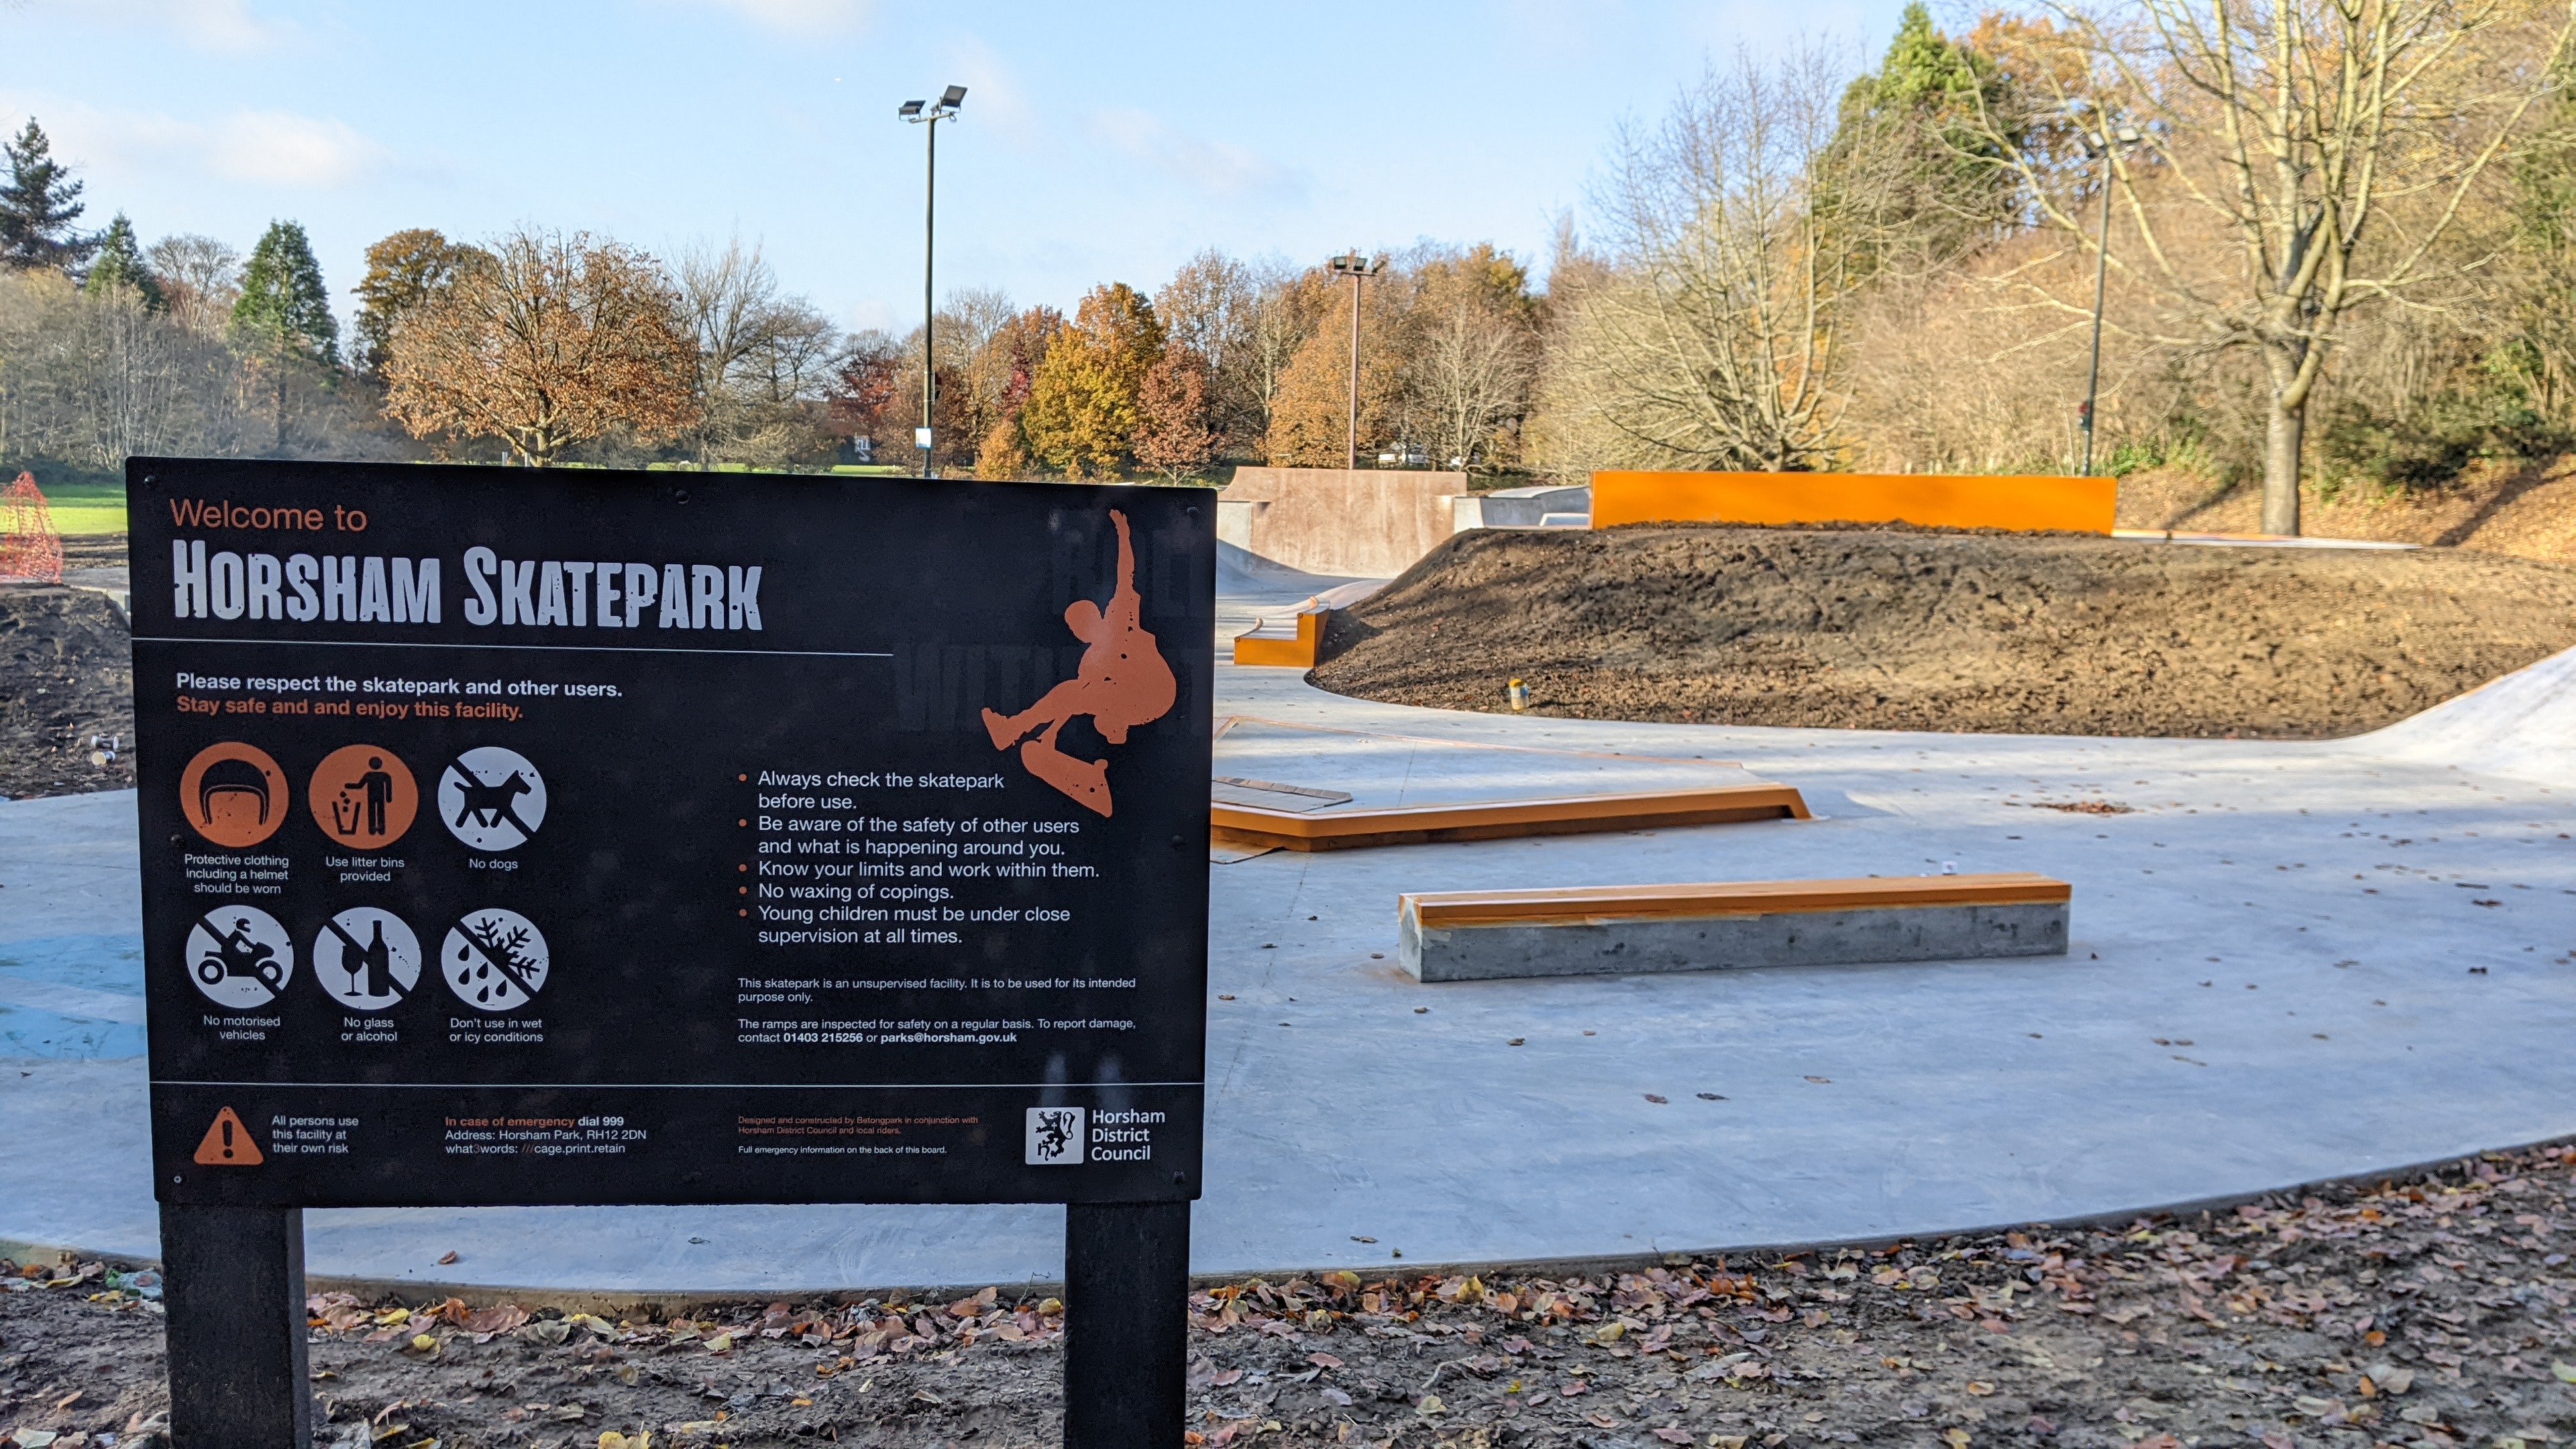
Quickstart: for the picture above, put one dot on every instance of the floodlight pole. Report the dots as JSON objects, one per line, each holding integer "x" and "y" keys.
{"x": 930, "y": 115}
{"x": 2101, "y": 274}
{"x": 1350, "y": 265}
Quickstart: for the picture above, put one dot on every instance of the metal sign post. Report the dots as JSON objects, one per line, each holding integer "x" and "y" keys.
{"x": 608, "y": 838}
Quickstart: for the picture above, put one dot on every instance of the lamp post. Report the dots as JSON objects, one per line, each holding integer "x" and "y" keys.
{"x": 1352, "y": 265}
{"x": 929, "y": 113}
{"x": 2098, "y": 143}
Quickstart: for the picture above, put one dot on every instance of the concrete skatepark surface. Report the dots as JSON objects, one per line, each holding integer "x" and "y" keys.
{"x": 2271, "y": 981}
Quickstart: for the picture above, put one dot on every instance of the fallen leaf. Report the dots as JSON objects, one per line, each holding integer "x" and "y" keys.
{"x": 1980, "y": 1388}
{"x": 2566, "y": 1372}
{"x": 1323, "y": 1360}
{"x": 1605, "y": 1421}
{"x": 447, "y": 1257}
{"x": 1827, "y": 1082}
{"x": 1955, "y": 1437}
{"x": 1336, "y": 1397}
{"x": 1671, "y": 1435}
{"x": 1651, "y": 1097}
{"x": 1430, "y": 1405}
{"x": 423, "y": 1343}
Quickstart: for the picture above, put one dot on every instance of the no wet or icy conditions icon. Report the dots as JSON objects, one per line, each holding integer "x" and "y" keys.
{"x": 494, "y": 960}
{"x": 491, "y": 798}
{"x": 240, "y": 957}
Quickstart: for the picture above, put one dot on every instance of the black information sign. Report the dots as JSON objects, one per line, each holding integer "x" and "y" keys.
{"x": 519, "y": 837}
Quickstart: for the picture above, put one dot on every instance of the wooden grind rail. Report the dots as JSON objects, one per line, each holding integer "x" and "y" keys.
{"x": 1496, "y": 819}
{"x": 1440, "y": 909}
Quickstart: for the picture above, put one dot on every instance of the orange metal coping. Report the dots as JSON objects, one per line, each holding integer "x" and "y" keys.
{"x": 1493, "y": 819}
{"x": 1927, "y": 499}
{"x": 1729, "y": 898}
{"x": 1256, "y": 647}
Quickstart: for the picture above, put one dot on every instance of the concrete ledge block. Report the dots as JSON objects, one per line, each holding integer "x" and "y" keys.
{"x": 1499, "y": 935}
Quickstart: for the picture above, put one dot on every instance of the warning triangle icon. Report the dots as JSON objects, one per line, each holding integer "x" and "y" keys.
{"x": 227, "y": 1144}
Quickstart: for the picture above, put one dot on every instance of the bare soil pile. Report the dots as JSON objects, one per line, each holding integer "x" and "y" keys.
{"x": 1919, "y": 630}
{"x": 2432, "y": 1311}
{"x": 66, "y": 675}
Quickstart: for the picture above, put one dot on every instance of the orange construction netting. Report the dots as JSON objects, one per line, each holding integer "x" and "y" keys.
{"x": 29, "y": 546}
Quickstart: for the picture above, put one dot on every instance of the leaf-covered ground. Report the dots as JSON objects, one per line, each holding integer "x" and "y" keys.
{"x": 2431, "y": 1311}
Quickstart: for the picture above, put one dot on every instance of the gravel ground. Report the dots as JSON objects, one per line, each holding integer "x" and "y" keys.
{"x": 2432, "y": 1310}
{"x": 1922, "y": 630}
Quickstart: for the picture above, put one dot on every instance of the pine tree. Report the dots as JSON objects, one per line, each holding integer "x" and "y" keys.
{"x": 284, "y": 308}
{"x": 39, "y": 205}
{"x": 120, "y": 265}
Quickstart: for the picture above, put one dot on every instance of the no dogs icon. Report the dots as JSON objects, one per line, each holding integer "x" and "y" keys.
{"x": 491, "y": 798}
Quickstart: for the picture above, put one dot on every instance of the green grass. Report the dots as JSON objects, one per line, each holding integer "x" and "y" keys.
{"x": 85, "y": 507}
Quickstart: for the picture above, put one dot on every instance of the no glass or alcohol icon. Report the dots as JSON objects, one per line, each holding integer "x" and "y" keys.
{"x": 491, "y": 798}
{"x": 240, "y": 957}
{"x": 233, "y": 794}
{"x": 363, "y": 797}
{"x": 366, "y": 958}
{"x": 494, "y": 960}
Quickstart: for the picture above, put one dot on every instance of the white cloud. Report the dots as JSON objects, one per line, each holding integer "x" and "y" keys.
{"x": 229, "y": 26}
{"x": 801, "y": 17}
{"x": 268, "y": 148}
{"x": 281, "y": 148}
{"x": 1216, "y": 167}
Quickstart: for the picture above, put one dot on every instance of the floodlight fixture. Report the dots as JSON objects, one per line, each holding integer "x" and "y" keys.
{"x": 952, "y": 98}
{"x": 909, "y": 108}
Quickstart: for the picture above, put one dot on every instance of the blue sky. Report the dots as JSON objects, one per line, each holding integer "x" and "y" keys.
{"x": 1100, "y": 142}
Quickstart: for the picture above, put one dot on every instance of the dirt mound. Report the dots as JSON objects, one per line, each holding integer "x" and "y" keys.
{"x": 66, "y": 674}
{"x": 2007, "y": 634}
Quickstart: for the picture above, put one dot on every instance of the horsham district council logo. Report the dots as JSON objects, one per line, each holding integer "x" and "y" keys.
{"x": 1055, "y": 1136}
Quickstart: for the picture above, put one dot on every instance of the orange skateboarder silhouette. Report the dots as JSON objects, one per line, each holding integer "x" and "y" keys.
{"x": 1121, "y": 683}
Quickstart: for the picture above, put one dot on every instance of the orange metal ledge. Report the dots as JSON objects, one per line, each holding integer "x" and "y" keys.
{"x": 1256, "y": 647}
{"x": 1494, "y": 819}
{"x": 1729, "y": 898}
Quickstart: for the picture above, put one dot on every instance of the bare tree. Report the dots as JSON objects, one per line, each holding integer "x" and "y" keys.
{"x": 1711, "y": 340}
{"x": 1287, "y": 306}
{"x": 2295, "y": 161}
{"x": 200, "y": 279}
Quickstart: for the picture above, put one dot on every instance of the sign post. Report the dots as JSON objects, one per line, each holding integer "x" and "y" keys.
{"x": 586, "y": 837}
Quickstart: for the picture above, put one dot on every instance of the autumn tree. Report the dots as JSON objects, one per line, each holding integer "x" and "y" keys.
{"x": 551, "y": 341}
{"x": 1172, "y": 434}
{"x": 1004, "y": 369}
{"x": 403, "y": 270}
{"x": 2297, "y": 163}
{"x": 1084, "y": 406}
{"x": 1310, "y": 414}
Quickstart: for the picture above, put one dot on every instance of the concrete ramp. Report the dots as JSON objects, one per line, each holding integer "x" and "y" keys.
{"x": 2522, "y": 725}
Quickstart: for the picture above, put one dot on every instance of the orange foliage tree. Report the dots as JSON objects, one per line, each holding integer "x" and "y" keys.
{"x": 545, "y": 341}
